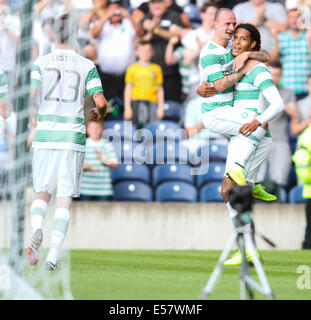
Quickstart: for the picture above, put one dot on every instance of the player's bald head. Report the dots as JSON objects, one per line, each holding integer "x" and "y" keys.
{"x": 223, "y": 12}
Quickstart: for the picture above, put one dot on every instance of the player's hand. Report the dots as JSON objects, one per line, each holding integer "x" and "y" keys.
{"x": 206, "y": 90}
{"x": 95, "y": 114}
{"x": 240, "y": 60}
{"x": 248, "y": 128}
{"x": 249, "y": 65}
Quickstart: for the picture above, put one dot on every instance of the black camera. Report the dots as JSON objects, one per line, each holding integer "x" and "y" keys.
{"x": 241, "y": 198}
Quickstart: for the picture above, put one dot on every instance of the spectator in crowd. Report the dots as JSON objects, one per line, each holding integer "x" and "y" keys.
{"x": 304, "y": 105}
{"x": 160, "y": 25}
{"x": 143, "y": 94}
{"x": 225, "y": 3}
{"x": 192, "y": 43}
{"x": 98, "y": 10}
{"x": 268, "y": 17}
{"x": 186, "y": 60}
{"x": 100, "y": 157}
{"x": 10, "y": 31}
{"x": 197, "y": 135}
{"x": 279, "y": 162}
{"x": 51, "y": 9}
{"x": 302, "y": 159}
{"x": 293, "y": 49}
{"x": 115, "y": 32}
{"x": 143, "y": 9}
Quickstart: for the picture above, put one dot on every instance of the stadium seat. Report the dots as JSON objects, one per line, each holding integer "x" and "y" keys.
{"x": 172, "y": 110}
{"x": 171, "y": 172}
{"x": 165, "y": 153}
{"x": 125, "y": 151}
{"x": 132, "y": 172}
{"x": 295, "y": 195}
{"x": 215, "y": 172}
{"x": 119, "y": 130}
{"x": 211, "y": 192}
{"x": 193, "y": 13}
{"x": 218, "y": 152}
{"x": 132, "y": 191}
{"x": 176, "y": 191}
{"x": 160, "y": 129}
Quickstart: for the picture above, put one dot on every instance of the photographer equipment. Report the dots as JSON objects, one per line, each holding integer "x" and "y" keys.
{"x": 241, "y": 200}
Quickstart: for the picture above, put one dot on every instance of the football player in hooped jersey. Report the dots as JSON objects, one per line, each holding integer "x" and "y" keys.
{"x": 59, "y": 81}
{"x": 248, "y": 108}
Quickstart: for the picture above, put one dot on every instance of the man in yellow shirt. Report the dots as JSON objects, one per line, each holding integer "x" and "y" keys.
{"x": 143, "y": 94}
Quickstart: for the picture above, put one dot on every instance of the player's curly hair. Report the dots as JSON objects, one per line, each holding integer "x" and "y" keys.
{"x": 254, "y": 33}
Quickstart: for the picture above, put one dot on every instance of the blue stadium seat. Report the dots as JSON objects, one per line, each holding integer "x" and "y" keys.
{"x": 119, "y": 130}
{"x": 171, "y": 172}
{"x": 132, "y": 191}
{"x": 193, "y": 13}
{"x": 125, "y": 151}
{"x": 132, "y": 172}
{"x": 172, "y": 110}
{"x": 167, "y": 152}
{"x": 218, "y": 152}
{"x": 295, "y": 195}
{"x": 160, "y": 129}
{"x": 215, "y": 172}
{"x": 211, "y": 192}
{"x": 176, "y": 191}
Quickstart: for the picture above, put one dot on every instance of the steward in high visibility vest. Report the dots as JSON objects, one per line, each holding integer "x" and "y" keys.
{"x": 302, "y": 160}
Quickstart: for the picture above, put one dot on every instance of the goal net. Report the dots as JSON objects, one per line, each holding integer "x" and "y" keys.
{"x": 19, "y": 280}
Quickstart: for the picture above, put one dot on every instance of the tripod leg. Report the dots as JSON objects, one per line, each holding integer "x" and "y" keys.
{"x": 219, "y": 267}
{"x": 258, "y": 267}
{"x": 244, "y": 270}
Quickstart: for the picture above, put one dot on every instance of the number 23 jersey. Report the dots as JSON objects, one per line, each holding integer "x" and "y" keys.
{"x": 62, "y": 78}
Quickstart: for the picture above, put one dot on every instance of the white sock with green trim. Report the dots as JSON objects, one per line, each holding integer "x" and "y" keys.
{"x": 59, "y": 230}
{"x": 37, "y": 214}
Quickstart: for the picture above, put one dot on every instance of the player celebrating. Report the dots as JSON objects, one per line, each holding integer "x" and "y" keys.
{"x": 217, "y": 66}
{"x": 250, "y": 92}
{"x": 59, "y": 81}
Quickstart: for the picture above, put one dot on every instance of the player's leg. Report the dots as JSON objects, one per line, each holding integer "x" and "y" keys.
{"x": 68, "y": 186}
{"x": 227, "y": 121}
{"x": 44, "y": 181}
{"x": 253, "y": 166}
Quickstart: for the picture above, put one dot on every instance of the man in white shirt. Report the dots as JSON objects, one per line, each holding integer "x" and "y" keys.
{"x": 115, "y": 32}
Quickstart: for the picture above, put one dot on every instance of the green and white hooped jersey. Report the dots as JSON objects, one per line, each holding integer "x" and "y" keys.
{"x": 62, "y": 78}
{"x": 3, "y": 85}
{"x": 215, "y": 63}
{"x": 248, "y": 92}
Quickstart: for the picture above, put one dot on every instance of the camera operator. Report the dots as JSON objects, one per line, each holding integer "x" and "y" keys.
{"x": 116, "y": 32}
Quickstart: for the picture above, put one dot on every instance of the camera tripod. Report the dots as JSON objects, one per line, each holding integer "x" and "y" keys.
{"x": 241, "y": 199}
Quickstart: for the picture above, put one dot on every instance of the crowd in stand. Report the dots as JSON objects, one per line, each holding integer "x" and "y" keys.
{"x": 147, "y": 55}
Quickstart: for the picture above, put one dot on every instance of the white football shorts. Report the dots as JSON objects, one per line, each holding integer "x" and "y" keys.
{"x": 59, "y": 170}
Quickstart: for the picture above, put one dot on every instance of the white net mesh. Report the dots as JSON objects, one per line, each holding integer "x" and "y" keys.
{"x": 19, "y": 280}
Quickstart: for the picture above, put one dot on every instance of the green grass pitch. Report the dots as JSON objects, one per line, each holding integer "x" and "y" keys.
{"x": 174, "y": 275}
